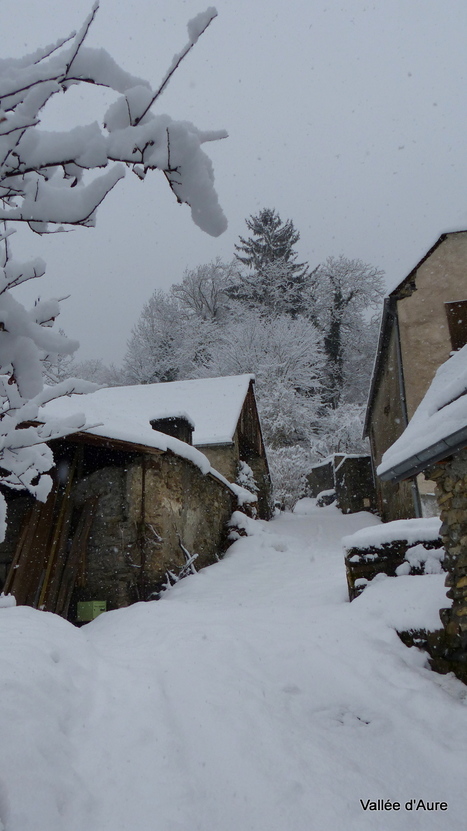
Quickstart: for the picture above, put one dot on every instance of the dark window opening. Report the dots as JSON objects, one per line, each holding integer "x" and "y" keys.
{"x": 456, "y": 313}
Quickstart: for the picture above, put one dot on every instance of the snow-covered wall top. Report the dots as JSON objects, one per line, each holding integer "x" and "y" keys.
{"x": 441, "y": 414}
{"x": 411, "y": 530}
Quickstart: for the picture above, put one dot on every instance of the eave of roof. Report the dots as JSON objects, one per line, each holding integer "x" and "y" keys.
{"x": 384, "y": 334}
{"x": 425, "y": 458}
{"x": 82, "y": 437}
{"x": 109, "y": 443}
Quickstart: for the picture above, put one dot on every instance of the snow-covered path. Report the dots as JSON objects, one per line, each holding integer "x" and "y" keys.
{"x": 252, "y": 697}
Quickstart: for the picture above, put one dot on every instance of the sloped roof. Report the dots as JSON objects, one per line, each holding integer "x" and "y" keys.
{"x": 403, "y": 289}
{"x": 438, "y": 427}
{"x": 212, "y": 405}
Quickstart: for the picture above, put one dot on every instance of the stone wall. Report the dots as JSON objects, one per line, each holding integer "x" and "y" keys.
{"x": 395, "y": 500}
{"x": 264, "y": 505}
{"x": 147, "y": 514}
{"x": 225, "y": 458}
{"x": 392, "y": 558}
{"x": 450, "y": 476}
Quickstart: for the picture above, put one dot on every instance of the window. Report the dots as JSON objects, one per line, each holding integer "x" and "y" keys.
{"x": 456, "y": 313}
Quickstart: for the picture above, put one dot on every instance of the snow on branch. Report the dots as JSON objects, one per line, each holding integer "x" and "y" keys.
{"x": 196, "y": 27}
{"x": 59, "y": 179}
{"x": 42, "y": 174}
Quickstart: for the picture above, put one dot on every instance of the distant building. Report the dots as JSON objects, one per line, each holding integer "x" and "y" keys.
{"x": 424, "y": 319}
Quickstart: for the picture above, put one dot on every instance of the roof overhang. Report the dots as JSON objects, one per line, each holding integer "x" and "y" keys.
{"x": 418, "y": 462}
{"x": 207, "y": 445}
{"x": 108, "y": 443}
{"x": 387, "y": 319}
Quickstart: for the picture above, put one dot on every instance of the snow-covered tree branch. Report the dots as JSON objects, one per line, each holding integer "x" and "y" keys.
{"x": 61, "y": 178}
{"x": 42, "y": 174}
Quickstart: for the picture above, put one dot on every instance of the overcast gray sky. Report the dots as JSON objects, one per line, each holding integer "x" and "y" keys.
{"x": 347, "y": 117}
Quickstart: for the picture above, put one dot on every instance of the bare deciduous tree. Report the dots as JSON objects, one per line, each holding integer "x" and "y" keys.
{"x": 343, "y": 293}
{"x": 203, "y": 290}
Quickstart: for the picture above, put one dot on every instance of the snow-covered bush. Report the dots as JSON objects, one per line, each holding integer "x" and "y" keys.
{"x": 43, "y": 183}
{"x": 289, "y": 467}
{"x": 246, "y": 477}
{"x": 340, "y": 431}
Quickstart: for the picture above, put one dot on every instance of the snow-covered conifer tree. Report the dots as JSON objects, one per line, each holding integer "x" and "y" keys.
{"x": 272, "y": 240}
{"x": 274, "y": 281}
{"x": 44, "y": 183}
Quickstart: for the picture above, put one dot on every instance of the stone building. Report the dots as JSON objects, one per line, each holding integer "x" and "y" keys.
{"x": 134, "y": 502}
{"x": 424, "y": 319}
{"x": 435, "y": 443}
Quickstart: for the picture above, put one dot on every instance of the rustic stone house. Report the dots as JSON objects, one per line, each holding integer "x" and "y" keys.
{"x": 435, "y": 443}
{"x": 424, "y": 318}
{"x": 133, "y": 499}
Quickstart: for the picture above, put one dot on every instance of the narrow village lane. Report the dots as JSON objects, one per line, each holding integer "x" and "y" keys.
{"x": 251, "y": 696}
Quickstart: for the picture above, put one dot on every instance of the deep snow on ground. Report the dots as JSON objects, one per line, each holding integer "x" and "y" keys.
{"x": 251, "y": 697}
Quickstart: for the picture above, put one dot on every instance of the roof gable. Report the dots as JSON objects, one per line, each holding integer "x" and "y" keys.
{"x": 390, "y": 318}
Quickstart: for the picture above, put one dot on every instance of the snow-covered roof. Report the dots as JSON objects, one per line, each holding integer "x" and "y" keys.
{"x": 438, "y": 426}
{"x": 211, "y": 405}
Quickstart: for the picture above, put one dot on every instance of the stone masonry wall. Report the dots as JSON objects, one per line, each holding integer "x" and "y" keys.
{"x": 146, "y": 513}
{"x": 451, "y": 492}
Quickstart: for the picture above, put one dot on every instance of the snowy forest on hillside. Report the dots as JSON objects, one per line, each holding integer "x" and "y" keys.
{"x": 308, "y": 335}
